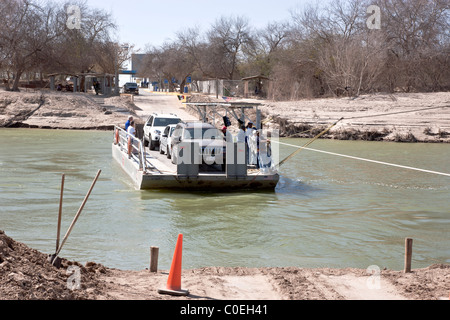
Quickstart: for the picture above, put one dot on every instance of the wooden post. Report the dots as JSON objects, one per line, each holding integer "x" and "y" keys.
{"x": 154, "y": 251}
{"x": 58, "y": 234}
{"x": 78, "y": 213}
{"x": 408, "y": 254}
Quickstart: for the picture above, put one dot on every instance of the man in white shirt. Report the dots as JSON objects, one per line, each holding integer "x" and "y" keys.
{"x": 127, "y": 124}
{"x": 131, "y": 130}
{"x": 248, "y": 136}
{"x": 241, "y": 134}
{"x": 131, "y": 134}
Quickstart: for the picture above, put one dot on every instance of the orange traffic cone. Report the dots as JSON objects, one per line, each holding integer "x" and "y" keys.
{"x": 174, "y": 281}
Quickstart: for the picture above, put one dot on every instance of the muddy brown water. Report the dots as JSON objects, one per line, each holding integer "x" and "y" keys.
{"x": 326, "y": 211}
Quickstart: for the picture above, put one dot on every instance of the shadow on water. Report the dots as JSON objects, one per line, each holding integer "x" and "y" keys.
{"x": 157, "y": 193}
{"x": 203, "y": 203}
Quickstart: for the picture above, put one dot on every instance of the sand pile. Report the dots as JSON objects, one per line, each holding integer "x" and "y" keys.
{"x": 25, "y": 274}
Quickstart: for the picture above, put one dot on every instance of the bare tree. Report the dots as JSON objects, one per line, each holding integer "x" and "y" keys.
{"x": 261, "y": 53}
{"x": 216, "y": 54}
{"x": 170, "y": 62}
{"x": 7, "y": 9}
{"x": 324, "y": 49}
{"x": 226, "y": 38}
{"x": 79, "y": 49}
{"x": 417, "y": 37}
{"x": 32, "y": 29}
{"x": 195, "y": 49}
{"x": 37, "y": 39}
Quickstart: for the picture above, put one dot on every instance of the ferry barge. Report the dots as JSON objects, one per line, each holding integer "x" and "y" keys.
{"x": 149, "y": 170}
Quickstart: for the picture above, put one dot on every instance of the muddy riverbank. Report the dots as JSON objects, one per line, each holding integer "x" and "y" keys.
{"x": 401, "y": 117}
{"x": 25, "y": 274}
{"x": 57, "y": 110}
{"x": 412, "y": 117}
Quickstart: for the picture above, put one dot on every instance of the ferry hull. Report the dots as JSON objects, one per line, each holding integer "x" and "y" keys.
{"x": 204, "y": 182}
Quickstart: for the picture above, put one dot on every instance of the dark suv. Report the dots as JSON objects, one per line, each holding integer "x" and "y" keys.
{"x": 131, "y": 87}
{"x": 209, "y": 138}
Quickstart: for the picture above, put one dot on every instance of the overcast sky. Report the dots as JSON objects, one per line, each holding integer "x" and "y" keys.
{"x": 144, "y": 22}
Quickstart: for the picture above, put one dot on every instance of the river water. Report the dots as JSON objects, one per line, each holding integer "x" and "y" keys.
{"x": 327, "y": 211}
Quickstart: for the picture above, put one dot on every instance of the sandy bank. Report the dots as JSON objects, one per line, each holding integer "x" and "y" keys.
{"x": 412, "y": 117}
{"x": 401, "y": 117}
{"x": 25, "y": 274}
{"x": 58, "y": 110}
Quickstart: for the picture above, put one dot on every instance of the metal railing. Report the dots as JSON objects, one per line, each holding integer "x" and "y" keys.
{"x": 132, "y": 146}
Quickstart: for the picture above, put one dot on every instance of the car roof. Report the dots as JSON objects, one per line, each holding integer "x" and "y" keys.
{"x": 165, "y": 115}
{"x": 198, "y": 125}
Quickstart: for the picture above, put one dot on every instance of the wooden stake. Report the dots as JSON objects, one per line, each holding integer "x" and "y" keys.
{"x": 154, "y": 252}
{"x": 58, "y": 234}
{"x": 408, "y": 254}
{"x": 78, "y": 213}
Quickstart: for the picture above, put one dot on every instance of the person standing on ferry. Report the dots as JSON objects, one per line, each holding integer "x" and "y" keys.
{"x": 127, "y": 124}
{"x": 131, "y": 134}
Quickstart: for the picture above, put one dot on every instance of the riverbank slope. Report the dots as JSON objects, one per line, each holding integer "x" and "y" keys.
{"x": 401, "y": 117}
{"x": 58, "y": 110}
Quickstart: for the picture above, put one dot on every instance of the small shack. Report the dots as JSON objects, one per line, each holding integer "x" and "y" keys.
{"x": 256, "y": 86}
{"x": 82, "y": 82}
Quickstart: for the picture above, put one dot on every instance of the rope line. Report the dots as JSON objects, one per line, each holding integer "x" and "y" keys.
{"x": 305, "y": 147}
{"x": 367, "y": 160}
{"x": 308, "y": 143}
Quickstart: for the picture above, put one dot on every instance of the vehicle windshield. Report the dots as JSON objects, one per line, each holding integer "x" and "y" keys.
{"x": 164, "y": 122}
{"x": 131, "y": 84}
{"x": 203, "y": 133}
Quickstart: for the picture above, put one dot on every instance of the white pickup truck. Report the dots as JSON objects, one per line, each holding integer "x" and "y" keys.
{"x": 154, "y": 127}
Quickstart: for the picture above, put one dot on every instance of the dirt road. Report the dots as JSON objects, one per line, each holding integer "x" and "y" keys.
{"x": 148, "y": 103}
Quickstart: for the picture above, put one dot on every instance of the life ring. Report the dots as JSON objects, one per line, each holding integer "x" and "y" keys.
{"x": 117, "y": 136}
